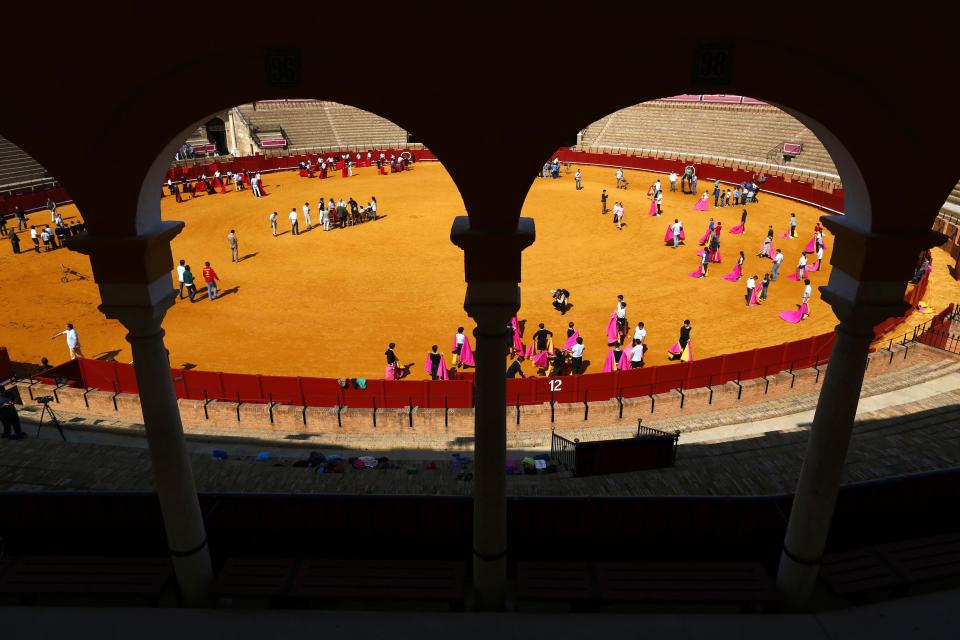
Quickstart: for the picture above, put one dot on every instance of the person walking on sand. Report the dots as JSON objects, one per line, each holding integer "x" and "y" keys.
{"x": 273, "y": 223}
{"x": 234, "y": 246}
{"x": 73, "y": 341}
{"x": 211, "y": 278}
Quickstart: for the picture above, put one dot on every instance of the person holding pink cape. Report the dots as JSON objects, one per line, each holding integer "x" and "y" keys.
{"x": 618, "y": 358}
{"x": 613, "y": 331}
{"x": 435, "y": 365}
{"x": 572, "y": 335}
{"x": 393, "y": 363}
{"x": 674, "y": 234}
{"x": 681, "y": 349}
{"x": 703, "y": 204}
{"x": 462, "y": 353}
{"x": 734, "y": 275}
{"x": 708, "y": 234}
{"x": 517, "y": 345}
{"x": 766, "y": 250}
{"x": 653, "y": 211}
{"x": 816, "y": 265}
{"x": 803, "y": 309}
{"x": 739, "y": 229}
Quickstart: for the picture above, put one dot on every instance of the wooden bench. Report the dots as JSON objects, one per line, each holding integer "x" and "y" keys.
{"x": 380, "y": 579}
{"x": 32, "y": 576}
{"x": 893, "y": 567}
{"x": 255, "y": 578}
{"x": 924, "y": 559}
{"x": 563, "y": 581}
{"x": 745, "y": 583}
{"x": 856, "y": 572}
{"x": 645, "y": 582}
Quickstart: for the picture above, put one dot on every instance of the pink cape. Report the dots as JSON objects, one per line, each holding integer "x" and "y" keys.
{"x": 702, "y": 205}
{"x": 812, "y": 268}
{"x": 686, "y": 355}
{"x": 812, "y": 245}
{"x": 517, "y": 343}
{"x": 390, "y": 374}
{"x": 714, "y": 257}
{"x": 572, "y": 340}
{"x": 734, "y": 275}
{"x": 696, "y": 274}
{"x": 441, "y": 368}
{"x": 653, "y": 207}
{"x": 612, "y": 334}
{"x": 737, "y": 230}
{"x": 755, "y": 297}
{"x": 706, "y": 236}
{"x": 668, "y": 237}
{"x": 795, "y": 316}
{"x": 466, "y": 353}
{"x": 541, "y": 360}
{"x": 785, "y": 235}
{"x": 610, "y": 364}
{"x": 770, "y": 251}
{"x": 793, "y": 276}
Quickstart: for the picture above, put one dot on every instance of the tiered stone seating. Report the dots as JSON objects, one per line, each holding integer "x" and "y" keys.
{"x": 747, "y": 132}
{"x": 951, "y": 208}
{"x": 310, "y": 124}
{"x": 17, "y": 167}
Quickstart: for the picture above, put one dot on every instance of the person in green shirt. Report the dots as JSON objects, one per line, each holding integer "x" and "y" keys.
{"x": 188, "y": 281}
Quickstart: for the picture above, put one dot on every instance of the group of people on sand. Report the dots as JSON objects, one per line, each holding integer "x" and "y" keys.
{"x": 435, "y": 365}
{"x": 216, "y": 183}
{"x": 330, "y": 215}
{"x": 346, "y": 162}
{"x": 52, "y": 236}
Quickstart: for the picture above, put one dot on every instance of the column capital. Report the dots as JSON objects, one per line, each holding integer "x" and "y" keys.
{"x": 870, "y": 272}
{"x": 491, "y": 305}
{"x": 491, "y": 256}
{"x": 126, "y": 260}
{"x": 877, "y": 257}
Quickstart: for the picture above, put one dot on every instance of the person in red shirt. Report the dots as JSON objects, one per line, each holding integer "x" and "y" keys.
{"x": 211, "y": 278}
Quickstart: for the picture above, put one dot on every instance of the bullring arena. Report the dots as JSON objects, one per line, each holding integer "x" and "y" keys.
{"x": 287, "y": 363}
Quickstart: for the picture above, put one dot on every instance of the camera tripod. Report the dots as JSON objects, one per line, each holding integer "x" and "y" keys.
{"x": 47, "y": 411}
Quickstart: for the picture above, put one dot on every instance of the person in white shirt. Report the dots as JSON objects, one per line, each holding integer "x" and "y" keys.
{"x": 576, "y": 357}
{"x": 636, "y": 357}
{"x": 349, "y": 168}
{"x": 673, "y": 181}
{"x": 619, "y": 178}
{"x": 776, "y": 265}
{"x": 676, "y": 227}
{"x": 294, "y": 225}
{"x": 640, "y": 333}
{"x": 802, "y": 267}
{"x": 621, "y": 316}
{"x": 237, "y": 182}
{"x": 578, "y": 179}
{"x": 73, "y": 341}
{"x": 273, "y": 223}
{"x": 255, "y": 184}
{"x": 657, "y": 187}
{"x": 751, "y": 283}
{"x": 807, "y": 291}
{"x": 618, "y": 215}
{"x": 373, "y": 206}
{"x": 819, "y": 254}
{"x": 180, "y": 269}
{"x": 659, "y": 199}
{"x": 307, "y": 220}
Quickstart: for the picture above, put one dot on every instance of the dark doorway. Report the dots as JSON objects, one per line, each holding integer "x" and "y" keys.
{"x": 217, "y": 134}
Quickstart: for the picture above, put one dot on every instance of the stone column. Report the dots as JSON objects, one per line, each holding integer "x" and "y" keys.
{"x": 133, "y": 274}
{"x": 866, "y": 287}
{"x": 492, "y": 270}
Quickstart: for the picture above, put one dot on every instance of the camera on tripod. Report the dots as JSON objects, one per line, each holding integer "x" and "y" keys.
{"x": 43, "y": 399}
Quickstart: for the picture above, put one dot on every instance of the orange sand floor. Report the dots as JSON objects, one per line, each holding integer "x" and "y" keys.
{"x": 326, "y": 304}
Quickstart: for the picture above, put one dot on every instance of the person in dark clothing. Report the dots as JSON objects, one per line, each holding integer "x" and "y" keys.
{"x": 434, "y": 356}
{"x": 3, "y": 225}
{"x": 393, "y": 363}
{"x": 14, "y": 241}
{"x": 559, "y": 361}
{"x": 770, "y": 233}
{"x": 10, "y": 418}
{"x": 743, "y": 219}
{"x": 570, "y": 330}
{"x": 541, "y": 336}
{"x": 21, "y": 216}
{"x": 514, "y": 369}
{"x": 684, "y": 339}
